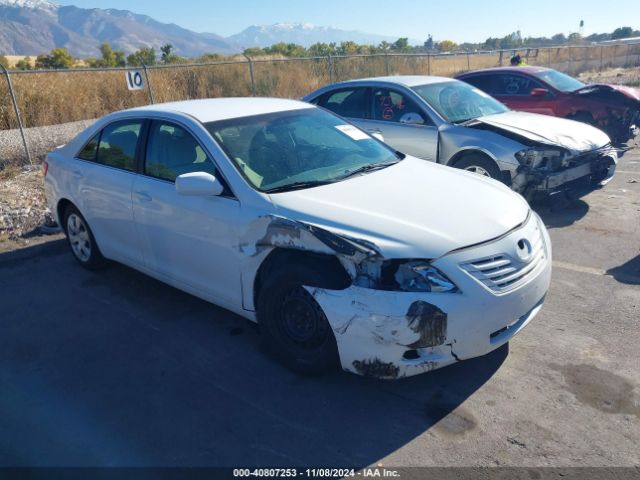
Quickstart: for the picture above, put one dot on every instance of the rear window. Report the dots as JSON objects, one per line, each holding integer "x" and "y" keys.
{"x": 346, "y": 103}
{"x": 90, "y": 150}
{"x": 118, "y": 143}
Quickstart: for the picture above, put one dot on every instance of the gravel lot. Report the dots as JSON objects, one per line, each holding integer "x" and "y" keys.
{"x": 40, "y": 140}
{"x": 114, "y": 368}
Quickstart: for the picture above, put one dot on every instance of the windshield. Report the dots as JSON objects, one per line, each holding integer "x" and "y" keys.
{"x": 458, "y": 102}
{"x": 298, "y": 149}
{"x": 560, "y": 81}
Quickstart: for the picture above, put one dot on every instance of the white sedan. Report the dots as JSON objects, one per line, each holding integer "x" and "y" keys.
{"x": 342, "y": 249}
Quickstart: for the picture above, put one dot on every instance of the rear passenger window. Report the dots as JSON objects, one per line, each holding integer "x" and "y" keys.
{"x": 118, "y": 145}
{"x": 347, "y": 103}
{"x": 172, "y": 151}
{"x": 514, "y": 85}
{"x": 483, "y": 82}
{"x": 90, "y": 150}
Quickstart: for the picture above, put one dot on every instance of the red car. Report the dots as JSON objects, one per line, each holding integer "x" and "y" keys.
{"x": 612, "y": 108}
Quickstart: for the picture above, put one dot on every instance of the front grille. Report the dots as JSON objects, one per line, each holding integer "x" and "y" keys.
{"x": 504, "y": 272}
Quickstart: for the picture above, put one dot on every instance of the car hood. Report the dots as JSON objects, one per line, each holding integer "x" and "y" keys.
{"x": 575, "y": 136}
{"x": 413, "y": 209}
{"x": 629, "y": 92}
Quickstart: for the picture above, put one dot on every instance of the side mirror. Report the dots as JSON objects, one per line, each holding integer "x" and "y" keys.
{"x": 539, "y": 92}
{"x": 412, "y": 118}
{"x": 199, "y": 184}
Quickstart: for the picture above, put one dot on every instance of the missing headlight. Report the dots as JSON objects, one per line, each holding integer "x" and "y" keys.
{"x": 414, "y": 276}
{"x": 537, "y": 157}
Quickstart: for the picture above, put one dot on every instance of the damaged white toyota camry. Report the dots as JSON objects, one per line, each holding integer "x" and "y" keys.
{"x": 342, "y": 249}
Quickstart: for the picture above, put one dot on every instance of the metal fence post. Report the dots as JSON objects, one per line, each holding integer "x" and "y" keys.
{"x": 468, "y": 61}
{"x": 548, "y": 57}
{"x": 146, "y": 76}
{"x": 17, "y": 110}
{"x": 429, "y": 64}
{"x": 331, "y": 73}
{"x": 500, "y": 60}
{"x": 626, "y": 59}
{"x": 386, "y": 63}
{"x": 253, "y": 82}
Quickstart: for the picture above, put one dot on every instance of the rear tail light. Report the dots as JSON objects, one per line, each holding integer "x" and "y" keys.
{"x": 45, "y": 168}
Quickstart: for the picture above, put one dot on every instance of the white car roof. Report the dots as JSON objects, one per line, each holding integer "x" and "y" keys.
{"x": 406, "y": 80}
{"x": 213, "y": 109}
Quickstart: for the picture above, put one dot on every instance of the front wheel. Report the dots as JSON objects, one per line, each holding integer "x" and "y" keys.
{"x": 293, "y": 327}
{"x": 479, "y": 165}
{"x": 83, "y": 244}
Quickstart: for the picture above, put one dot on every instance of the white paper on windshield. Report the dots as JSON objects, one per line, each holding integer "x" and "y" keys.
{"x": 353, "y": 132}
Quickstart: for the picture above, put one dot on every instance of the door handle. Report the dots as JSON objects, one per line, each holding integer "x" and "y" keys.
{"x": 374, "y": 130}
{"x": 143, "y": 196}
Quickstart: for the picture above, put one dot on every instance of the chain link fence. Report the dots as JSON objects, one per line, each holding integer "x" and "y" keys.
{"x": 53, "y": 105}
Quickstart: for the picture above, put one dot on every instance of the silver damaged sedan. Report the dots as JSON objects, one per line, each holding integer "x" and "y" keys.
{"x": 453, "y": 123}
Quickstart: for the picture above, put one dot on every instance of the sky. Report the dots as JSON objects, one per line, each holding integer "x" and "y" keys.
{"x": 458, "y": 20}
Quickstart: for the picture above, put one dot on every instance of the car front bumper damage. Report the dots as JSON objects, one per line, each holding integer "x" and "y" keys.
{"x": 595, "y": 169}
{"x": 393, "y": 334}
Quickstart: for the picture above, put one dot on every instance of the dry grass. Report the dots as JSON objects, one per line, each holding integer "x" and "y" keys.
{"x": 52, "y": 98}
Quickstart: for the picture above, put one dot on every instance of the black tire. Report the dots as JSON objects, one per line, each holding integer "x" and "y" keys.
{"x": 81, "y": 240}
{"x": 479, "y": 164}
{"x": 293, "y": 327}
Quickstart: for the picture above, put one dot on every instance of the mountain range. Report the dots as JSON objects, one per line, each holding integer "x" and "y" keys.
{"x": 32, "y": 27}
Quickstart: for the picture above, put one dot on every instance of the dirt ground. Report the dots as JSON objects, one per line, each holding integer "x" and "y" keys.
{"x": 620, "y": 76}
{"x": 23, "y": 208}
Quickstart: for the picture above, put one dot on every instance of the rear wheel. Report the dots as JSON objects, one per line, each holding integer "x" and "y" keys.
{"x": 293, "y": 327}
{"x": 480, "y": 165}
{"x": 83, "y": 244}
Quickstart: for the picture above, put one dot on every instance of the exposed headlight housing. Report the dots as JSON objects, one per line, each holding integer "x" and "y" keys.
{"x": 542, "y": 157}
{"x": 421, "y": 276}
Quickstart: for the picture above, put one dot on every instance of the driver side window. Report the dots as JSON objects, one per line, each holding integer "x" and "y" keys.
{"x": 391, "y": 106}
{"x": 172, "y": 151}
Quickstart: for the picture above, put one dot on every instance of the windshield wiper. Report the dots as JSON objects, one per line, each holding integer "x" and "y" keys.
{"x": 368, "y": 168}
{"x": 297, "y": 186}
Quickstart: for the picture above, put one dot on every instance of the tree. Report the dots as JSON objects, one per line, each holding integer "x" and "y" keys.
{"x": 143, "y": 55}
{"x": 622, "y": 32}
{"x": 558, "y": 39}
{"x": 574, "y": 38}
{"x": 322, "y": 49}
{"x": 58, "y": 58}
{"x": 384, "y": 46}
{"x": 400, "y": 45}
{"x": 120, "y": 58}
{"x": 286, "y": 50}
{"x": 447, "y": 46}
{"x": 108, "y": 56}
{"x": 24, "y": 64}
{"x": 167, "y": 56}
{"x": 348, "y": 48}
{"x": 4, "y": 61}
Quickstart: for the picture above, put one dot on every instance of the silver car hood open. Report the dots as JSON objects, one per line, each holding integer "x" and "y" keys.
{"x": 575, "y": 136}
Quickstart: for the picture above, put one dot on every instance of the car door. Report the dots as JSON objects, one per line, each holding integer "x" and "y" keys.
{"x": 104, "y": 178}
{"x": 394, "y": 114}
{"x": 519, "y": 92}
{"x": 188, "y": 240}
